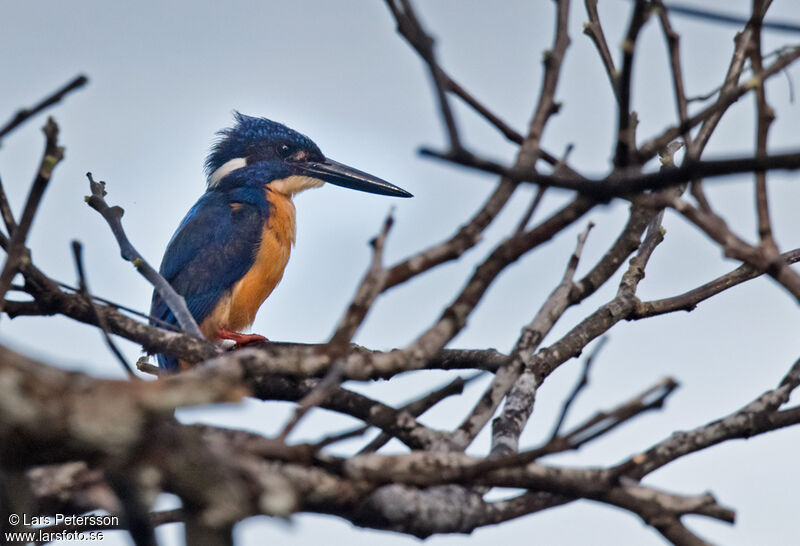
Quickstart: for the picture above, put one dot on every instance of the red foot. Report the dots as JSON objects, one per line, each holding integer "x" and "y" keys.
{"x": 241, "y": 340}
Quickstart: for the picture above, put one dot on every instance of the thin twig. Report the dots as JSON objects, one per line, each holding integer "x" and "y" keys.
{"x": 5, "y": 211}
{"x": 758, "y": 416}
{"x": 317, "y": 396}
{"x": 409, "y": 26}
{"x": 339, "y": 344}
{"x": 729, "y": 19}
{"x": 526, "y": 218}
{"x": 626, "y": 142}
{"x": 546, "y": 360}
{"x": 464, "y": 239}
{"x": 730, "y": 93}
{"x": 558, "y": 168}
{"x": 153, "y": 320}
{"x": 83, "y": 287}
{"x": 766, "y": 116}
{"x": 547, "y": 105}
{"x": 689, "y": 300}
{"x": 681, "y": 103}
{"x": 415, "y": 407}
{"x": 735, "y": 68}
{"x": 579, "y": 386}
{"x": 594, "y": 30}
{"x": 113, "y": 216}
{"x": 144, "y": 365}
{"x": 504, "y": 128}
{"x": 113, "y": 304}
{"x": 26, "y": 113}
{"x": 598, "y": 425}
{"x": 605, "y": 421}
{"x": 53, "y": 154}
{"x": 735, "y": 247}
{"x": 368, "y": 291}
{"x": 454, "y": 317}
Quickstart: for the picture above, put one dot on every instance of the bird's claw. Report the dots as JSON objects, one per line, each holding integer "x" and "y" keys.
{"x": 241, "y": 340}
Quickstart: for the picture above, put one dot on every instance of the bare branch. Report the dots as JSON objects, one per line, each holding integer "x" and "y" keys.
{"x": 579, "y": 386}
{"x": 53, "y": 154}
{"x": 455, "y": 315}
{"x": 415, "y": 408}
{"x": 77, "y": 253}
{"x": 409, "y": 26}
{"x": 626, "y": 142}
{"x": 370, "y": 288}
{"x": 762, "y": 259}
{"x": 113, "y": 216}
{"x": 5, "y": 211}
{"x": 512, "y": 379}
{"x": 594, "y": 30}
{"x": 727, "y": 96}
{"x": 765, "y": 118}
{"x": 604, "y": 422}
{"x": 627, "y": 185}
{"x": 688, "y": 301}
{"x": 729, "y": 19}
{"x": 26, "y": 113}
{"x": 467, "y": 236}
{"x": 398, "y": 424}
{"x": 758, "y": 416}
{"x": 119, "y": 457}
{"x": 418, "y": 407}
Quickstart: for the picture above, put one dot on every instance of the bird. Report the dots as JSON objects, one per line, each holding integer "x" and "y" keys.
{"x": 230, "y": 250}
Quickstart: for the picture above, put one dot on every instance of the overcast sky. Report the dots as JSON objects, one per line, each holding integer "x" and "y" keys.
{"x": 164, "y": 76}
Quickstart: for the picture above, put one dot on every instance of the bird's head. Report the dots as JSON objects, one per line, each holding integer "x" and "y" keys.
{"x": 262, "y": 151}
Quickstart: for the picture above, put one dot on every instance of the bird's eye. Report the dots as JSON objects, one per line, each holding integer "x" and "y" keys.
{"x": 284, "y": 150}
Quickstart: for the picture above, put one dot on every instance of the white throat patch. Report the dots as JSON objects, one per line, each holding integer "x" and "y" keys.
{"x": 295, "y": 184}
{"x": 225, "y": 169}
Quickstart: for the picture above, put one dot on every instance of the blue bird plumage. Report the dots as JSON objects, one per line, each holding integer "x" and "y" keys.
{"x": 207, "y": 255}
{"x": 247, "y": 137}
{"x": 230, "y": 250}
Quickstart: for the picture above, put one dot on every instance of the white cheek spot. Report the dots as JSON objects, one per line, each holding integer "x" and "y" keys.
{"x": 295, "y": 184}
{"x": 225, "y": 169}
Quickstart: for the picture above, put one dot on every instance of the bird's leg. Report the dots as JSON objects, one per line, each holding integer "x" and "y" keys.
{"x": 241, "y": 340}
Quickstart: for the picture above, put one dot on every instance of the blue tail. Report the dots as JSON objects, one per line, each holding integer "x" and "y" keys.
{"x": 167, "y": 362}
{"x": 160, "y": 310}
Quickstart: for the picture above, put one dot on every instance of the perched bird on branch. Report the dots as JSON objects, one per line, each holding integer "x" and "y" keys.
{"x": 230, "y": 250}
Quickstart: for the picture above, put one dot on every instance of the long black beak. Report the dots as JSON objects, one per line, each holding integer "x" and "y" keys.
{"x": 348, "y": 177}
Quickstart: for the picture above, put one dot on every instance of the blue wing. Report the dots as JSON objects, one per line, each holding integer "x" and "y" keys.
{"x": 212, "y": 249}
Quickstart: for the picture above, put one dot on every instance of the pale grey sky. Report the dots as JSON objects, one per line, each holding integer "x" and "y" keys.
{"x": 166, "y": 75}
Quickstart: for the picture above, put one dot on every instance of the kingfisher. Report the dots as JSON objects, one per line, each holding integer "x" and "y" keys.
{"x": 229, "y": 252}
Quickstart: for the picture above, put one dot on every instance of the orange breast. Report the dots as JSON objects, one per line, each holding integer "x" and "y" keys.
{"x": 271, "y": 258}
